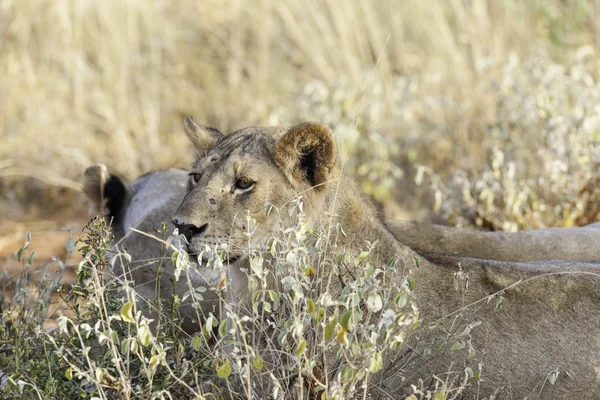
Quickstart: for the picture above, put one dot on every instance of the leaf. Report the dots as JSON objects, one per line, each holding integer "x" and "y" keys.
{"x": 268, "y": 208}
{"x": 21, "y": 250}
{"x": 363, "y": 256}
{"x": 310, "y": 306}
{"x": 290, "y": 257}
{"x": 127, "y": 312}
{"x": 70, "y": 245}
{"x": 21, "y": 385}
{"x": 174, "y": 257}
{"x": 114, "y": 337}
{"x": 416, "y": 261}
{"x": 196, "y": 341}
{"x": 69, "y": 374}
{"x": 301, "y": 348}
{"x": 471, "y": 352}
{"x": 224, "y": 370}
{"x": 329, "y": 328}
{"x": 347, "y": 373}
{"x": 343, "y": 232}
{"x": 553, "y": 376}
{"x": 288, "y": 282}
{"x": 258, "y": 363}
{"x": 198, "y": 297}
{"x": 273, "y": 296}
{"x": 256, "y": 264}
{"x": 145, "y": 336}
{"x": 267, "y": 306}
{"x": 500, "y": 303}
{"x": 320, "y": 314}
{"x": 401, "y": 299}
{"x": 311, "y": 271}
{"x": 345, "y": 320}
{"x": 176, "y": 302}
{"x": 223, "y": 328}
{"x": 341, "y": 336}
{"x": 474, "y": 324}
{"x": 361, "y": 374}
{"x": 272, "y": 244}
{"x": 439, "y": 395}
{"x": 210, "y": 323}
{"x": 99, "y": 374}
{"x": 154, "y": 360}
{"x": 374, "y": 302}
{"x": 376, "y": 362}
{"x": 282, "y": 337}
{"x": 468, "y": 328}
{"x": 457, "y": 346}
{"x": 131, "y": 346}
{"x": 30, "y": 258}
{"x": 125, "y": 346}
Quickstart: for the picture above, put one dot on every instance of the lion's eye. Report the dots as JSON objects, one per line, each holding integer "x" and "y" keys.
{"x": 243, "y": 184}
{"x": 195, "y": 178}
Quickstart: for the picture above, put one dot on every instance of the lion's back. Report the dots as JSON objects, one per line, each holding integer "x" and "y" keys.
{"x": 153, "y": 199}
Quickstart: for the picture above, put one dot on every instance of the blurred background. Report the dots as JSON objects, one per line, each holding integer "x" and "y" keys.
{"x": 470, "y": 113}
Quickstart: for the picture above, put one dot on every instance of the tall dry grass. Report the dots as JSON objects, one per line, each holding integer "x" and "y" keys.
{"x": 87, "y": 81}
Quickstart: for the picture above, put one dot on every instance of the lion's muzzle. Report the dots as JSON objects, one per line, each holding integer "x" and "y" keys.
{"x": 189, "y": 230}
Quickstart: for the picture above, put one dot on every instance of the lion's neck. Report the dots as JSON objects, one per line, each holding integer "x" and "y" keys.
{"x": 360, "y": 222}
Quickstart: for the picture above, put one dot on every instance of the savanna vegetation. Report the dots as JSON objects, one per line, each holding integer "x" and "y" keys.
{"x": 477, "y": 113}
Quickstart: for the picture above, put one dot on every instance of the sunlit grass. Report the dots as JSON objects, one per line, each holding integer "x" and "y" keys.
{"x": 110, "y": 81}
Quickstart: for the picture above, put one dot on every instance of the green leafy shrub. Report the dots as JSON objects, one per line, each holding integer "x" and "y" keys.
{"x": 318, "y": 322}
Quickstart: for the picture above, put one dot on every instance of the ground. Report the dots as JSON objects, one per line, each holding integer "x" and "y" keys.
{"x": 49, "y": 238}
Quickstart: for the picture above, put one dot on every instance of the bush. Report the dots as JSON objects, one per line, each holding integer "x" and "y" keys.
{"x": 318, "y": 322}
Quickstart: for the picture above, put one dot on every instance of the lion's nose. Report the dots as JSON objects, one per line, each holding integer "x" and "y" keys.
{"x": 189, "y": 230}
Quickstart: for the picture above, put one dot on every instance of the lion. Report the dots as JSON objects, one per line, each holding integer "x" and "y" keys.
{"x": 549, "y": 321}
{"x": 581, "y": 243}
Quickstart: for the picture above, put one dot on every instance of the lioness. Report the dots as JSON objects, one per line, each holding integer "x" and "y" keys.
{"x": 550, "y": 318}
{"x": 582, "y": 243}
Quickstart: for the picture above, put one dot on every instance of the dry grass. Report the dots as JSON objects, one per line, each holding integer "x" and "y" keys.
{"x": 86, "y": 81}
{"x": 482, "y": 112}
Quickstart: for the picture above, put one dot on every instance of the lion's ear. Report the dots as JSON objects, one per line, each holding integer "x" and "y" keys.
{"x": 203, "y": 137}
{"x": 306, "y": 151}
{"x": 106, "y": 193}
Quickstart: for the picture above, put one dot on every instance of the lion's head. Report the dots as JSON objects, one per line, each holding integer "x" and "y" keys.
{"x": 236, "y": 175}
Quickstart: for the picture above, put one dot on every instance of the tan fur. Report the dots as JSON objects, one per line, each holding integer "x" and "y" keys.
{"x": 549, "y": 321}
{"x": 581, "y": 243}
{"x": 266, "y": 156}
{"x": 203, "y": 138}
{"x": 94, "y": 179}
{"x": 307, "y": 138}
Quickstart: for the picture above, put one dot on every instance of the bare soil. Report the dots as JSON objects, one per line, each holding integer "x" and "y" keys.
{"x": 48, "y": 240}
